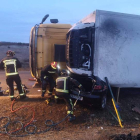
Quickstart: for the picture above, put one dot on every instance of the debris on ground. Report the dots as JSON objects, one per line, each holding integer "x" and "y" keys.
{"x": 135, "y": 108}
{"x": 125, "y": 137}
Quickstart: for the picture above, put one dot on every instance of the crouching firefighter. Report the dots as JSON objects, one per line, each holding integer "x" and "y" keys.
{"x": 10, "y": 64}
{"x": 63, "y": 84}
{"x": 47, "y": 77}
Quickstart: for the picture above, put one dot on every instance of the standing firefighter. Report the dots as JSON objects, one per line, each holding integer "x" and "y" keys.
{"x": 47, "y": 77}
{"x": 10, "y": 64}
{"x": 63, "y": 84}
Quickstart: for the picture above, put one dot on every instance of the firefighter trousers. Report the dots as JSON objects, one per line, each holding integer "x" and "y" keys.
{"x": 67, "y": 98}
{"x": 47, "y": 81}
{"x": 10, "y": 80}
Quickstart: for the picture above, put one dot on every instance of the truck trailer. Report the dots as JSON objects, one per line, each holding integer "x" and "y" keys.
{"x": 104, "y": 44}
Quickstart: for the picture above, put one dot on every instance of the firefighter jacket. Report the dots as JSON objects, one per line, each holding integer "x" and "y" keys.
{"x": 64, "y": 83}
{"x": 48, "y": 72}
{"x": 10, "y": 64}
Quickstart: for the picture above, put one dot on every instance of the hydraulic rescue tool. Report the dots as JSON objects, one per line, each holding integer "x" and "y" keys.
{"x": 114, "y": 103}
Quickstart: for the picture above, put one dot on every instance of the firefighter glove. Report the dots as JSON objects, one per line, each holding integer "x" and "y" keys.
{"x": 81, "y": 88}
{"x": 46, "y": 77}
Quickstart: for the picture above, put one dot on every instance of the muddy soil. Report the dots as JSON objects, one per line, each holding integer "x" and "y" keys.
{"x": 91, "y": 123}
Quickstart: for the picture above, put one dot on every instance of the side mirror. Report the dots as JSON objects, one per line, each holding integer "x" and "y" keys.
{"x": 45, "y": 17}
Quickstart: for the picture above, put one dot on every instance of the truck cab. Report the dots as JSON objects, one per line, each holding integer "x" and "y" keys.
{"x": 47, "y": 44}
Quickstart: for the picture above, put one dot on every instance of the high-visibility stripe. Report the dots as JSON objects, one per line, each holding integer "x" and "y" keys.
{"x": 21, "y": 94}
{"x": 43, "y": 90}
{"x": 9, "y": 62}
{"x": 11, "y": 96}
{"x": 69, "y": 112}
{"x": 8, "y": 74}
{"x": 61, "y": 90}
{"x": 71, "y": 103}
{"x": 62, "y": 79}
{"x": 79, "y": 85}
{"x": 56, "y": 97}
{"x": 51, "y": 71}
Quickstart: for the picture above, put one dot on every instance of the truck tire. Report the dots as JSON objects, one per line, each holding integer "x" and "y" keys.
{"x": 103, "y": 101}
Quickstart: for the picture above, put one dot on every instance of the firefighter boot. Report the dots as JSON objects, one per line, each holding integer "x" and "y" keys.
{"x": 13, "y": 98}
{"x": 71, "y": 118}
{"x": 42, "y": 95}
{"x": 23, "y": 96}
{"x": 49, "y": 93}
{"x": 56, "y": 99}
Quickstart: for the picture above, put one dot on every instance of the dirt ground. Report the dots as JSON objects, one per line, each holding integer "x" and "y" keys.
{"x": 90, "y": 124}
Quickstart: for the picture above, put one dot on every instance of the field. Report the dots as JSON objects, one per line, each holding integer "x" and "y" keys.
{"x": 21, "y": 52}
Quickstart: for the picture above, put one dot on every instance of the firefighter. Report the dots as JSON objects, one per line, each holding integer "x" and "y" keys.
{"x": 47, "y": 77}
{"x": 10, "y": 64}
{"x": 63, "y": 85}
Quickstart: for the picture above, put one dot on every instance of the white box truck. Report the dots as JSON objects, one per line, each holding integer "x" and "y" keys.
{"x": 105, "y": 44}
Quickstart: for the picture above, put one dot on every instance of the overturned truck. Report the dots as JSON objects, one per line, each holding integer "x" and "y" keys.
{"x": 47, "y": 44}
{"x": 104, "y": 44}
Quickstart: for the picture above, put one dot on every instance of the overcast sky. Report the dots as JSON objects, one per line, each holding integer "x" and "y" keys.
{"x": 17, "y": 17}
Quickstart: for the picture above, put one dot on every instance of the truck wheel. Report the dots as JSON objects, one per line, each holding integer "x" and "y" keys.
{"x": 103, "y": 102}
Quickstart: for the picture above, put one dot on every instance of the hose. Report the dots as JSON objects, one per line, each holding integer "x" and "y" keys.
{"x": 27, "y": 125}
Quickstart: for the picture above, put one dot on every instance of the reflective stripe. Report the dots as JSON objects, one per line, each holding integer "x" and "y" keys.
{"x": 79, "y": 85}
{"x": 62, "y": 79}
{"x": 56, "y": 97}
{"x": 11, "y": 96}
{"x": 71, "y": 103}
{"x": 69, "y": 112}
{"x": 9, "y": 62}
{"x": 61, "y": 90}
{"x": 43, "y": 90}
{"x": 21, "y": 94}
{"x": 49, "y": 91}
{"x": 22, "y": 88}
{"x": 51, "y": 72}
{"x": 8, "y": 74}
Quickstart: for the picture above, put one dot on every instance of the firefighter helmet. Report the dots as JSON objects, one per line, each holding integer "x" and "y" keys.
{"x": 9, "y": 52}
{"x": 54, "y": 65}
